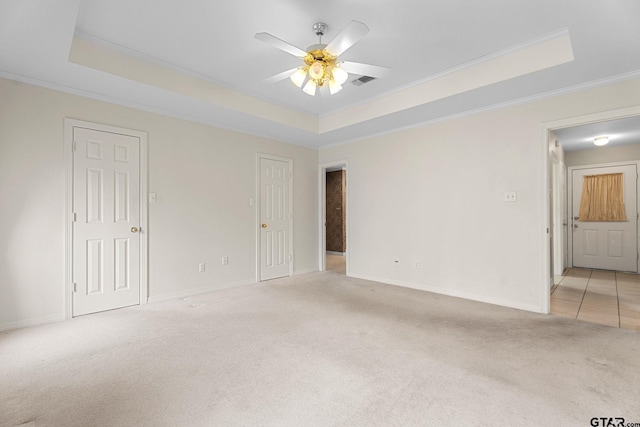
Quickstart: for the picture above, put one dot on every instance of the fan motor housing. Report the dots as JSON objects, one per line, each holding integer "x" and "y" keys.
{"x": 316, "y": 47}
{"x": 320, "y": 28}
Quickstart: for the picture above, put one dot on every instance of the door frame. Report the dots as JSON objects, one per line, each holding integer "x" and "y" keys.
{"x": 545, "y": 207}
{"x": 258, "y": 220}
{"x": 561, "y": 227}
{"x": 69, "y": 124}
{"x": 570, "y": 200}
{"x": 322, "y": 214}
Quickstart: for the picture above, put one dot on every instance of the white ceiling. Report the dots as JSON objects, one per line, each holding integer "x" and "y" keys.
{"x": 620, "y": 132}
{"x": 214, "y": 41}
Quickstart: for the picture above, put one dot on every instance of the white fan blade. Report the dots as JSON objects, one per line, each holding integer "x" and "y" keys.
{"x": 280, "y": 44}
{"x": 365, "y": 69}
{"x": 347, "y": 38}
{"x": 280, "y": 76}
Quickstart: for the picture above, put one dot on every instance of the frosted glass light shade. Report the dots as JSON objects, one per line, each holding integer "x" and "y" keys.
{"x": 340, "y": 75}
{"x": 334, "y": 87}
{"x": 310, "y": 88}
{"x": 601, "y": 140}
{"x": 298, "y": 77}
{"x": 316, "y": 70}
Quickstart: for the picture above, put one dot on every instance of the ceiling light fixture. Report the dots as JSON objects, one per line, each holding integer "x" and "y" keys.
{"x": 334, "y": 87}
{"x": 299, "y": 77}
{"x": 601, "y": 140}
{"x": 310, "y": 87}
{"x": 321, "y": 65}
{"x": 339, "y": 74}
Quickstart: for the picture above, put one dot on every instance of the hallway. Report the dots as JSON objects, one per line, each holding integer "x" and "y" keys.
{"x": 336, "y": 263}
{"x": 605, "y": 297}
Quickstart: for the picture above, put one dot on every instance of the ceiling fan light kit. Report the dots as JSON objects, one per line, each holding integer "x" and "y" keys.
{"x": 298, "y": 77}
{"x": 321, "y": 65}
{"x": 310, "y": 87}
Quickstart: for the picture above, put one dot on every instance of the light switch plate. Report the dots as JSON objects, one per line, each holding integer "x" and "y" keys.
{"x": 510, "y": 196}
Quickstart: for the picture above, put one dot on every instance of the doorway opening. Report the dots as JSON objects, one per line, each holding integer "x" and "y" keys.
{"x": 592, "y": 262}
{"x": 333, "y": 202}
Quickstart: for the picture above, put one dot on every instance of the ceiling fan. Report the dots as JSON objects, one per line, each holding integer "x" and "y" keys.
{"x": 322, "y": 66}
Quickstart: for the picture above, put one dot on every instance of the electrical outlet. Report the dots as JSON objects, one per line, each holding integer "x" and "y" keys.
{"x": 202, "y": 267}
{"x": 225, "y": 260}
{"x": 417, "y": 265}
{"x": 510, "y": 196}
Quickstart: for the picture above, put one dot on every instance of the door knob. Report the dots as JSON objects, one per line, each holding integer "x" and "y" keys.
{"x": 575, "y": 225}
{"x": 575, "y": 217}
{"x": 264, "y": 225}
{"x": 134, "y": 229}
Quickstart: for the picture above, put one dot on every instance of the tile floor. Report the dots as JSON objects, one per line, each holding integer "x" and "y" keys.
{"x": 598, "y": 296}
{"x": 336, "y": 263}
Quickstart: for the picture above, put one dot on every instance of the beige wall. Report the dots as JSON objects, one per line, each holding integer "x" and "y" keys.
{"x": 440, "y": 201}
{"x": 203, "y": 177}
{"x": 598, "y": 155}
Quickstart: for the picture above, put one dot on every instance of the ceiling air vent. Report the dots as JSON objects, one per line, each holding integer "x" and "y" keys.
{"x": 362, "y": 80}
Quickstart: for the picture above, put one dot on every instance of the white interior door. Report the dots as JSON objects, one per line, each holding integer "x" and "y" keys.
{"x": 565, "y": 222}
{"x": 559, "y": 218}
{"x": 606, "y": 245}
{"x": 106, "y": 205}
{"x": 275, "y": 217}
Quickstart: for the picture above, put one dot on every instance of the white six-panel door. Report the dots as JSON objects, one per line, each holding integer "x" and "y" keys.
{"x": 275, "y": 217}
{"x": 106, "y": 234}
{"x": 606, "y": 245}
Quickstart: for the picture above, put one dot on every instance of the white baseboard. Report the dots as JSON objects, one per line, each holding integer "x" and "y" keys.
{"x": 455, "y": 293}
{"x": 32, "y": 322}
{"x": 306, "y": 271}
{"x": 200, "y": 290}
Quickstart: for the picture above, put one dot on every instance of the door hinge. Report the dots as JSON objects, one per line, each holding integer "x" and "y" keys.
{"x": 75, "y": 287}
{"x": 290, "y": 257}
{"x": 74, "y": 217}
{"x": 73, "y": 146}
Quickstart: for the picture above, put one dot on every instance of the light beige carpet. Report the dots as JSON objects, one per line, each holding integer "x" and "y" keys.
{"x": 318, "y": 349}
